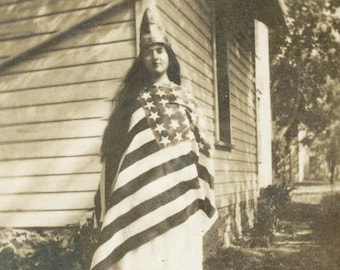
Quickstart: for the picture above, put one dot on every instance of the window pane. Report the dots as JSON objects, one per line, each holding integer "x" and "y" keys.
{"x": 222, "y": 76}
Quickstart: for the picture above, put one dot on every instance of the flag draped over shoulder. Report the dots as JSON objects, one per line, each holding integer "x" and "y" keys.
{"x": 164, "y": 178}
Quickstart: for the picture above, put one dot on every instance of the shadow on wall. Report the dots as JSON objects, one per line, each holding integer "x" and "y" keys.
{"x": 233, "y": 222}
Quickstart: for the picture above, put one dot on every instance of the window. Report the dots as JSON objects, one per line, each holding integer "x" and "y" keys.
{"x": 223, "y": 128}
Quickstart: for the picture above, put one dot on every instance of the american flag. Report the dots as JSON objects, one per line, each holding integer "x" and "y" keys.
{"x": 164, "y": 178}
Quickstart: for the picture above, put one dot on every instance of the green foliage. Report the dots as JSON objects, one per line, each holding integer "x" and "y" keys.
{"x": 47, "y": 249}
{"x": 273, "y": 205}
{"x": 305, "y": 69}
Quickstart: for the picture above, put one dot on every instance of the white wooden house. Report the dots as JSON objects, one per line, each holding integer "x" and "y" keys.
{"x": 62, "y": 62}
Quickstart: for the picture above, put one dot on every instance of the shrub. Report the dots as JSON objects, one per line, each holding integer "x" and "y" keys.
{"x": 273, "y": 205}
{"x": 67, "y": 248}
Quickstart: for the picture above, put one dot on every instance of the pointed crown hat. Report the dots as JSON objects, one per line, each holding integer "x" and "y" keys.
{"x": 151, "y": 30}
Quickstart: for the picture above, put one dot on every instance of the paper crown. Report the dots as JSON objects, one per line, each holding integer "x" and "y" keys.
{"x": 151, "y": 30}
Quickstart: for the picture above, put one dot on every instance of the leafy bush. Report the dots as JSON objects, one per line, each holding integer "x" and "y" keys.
{"x": 272, "y": 206}
{"x": 67, "y": 248}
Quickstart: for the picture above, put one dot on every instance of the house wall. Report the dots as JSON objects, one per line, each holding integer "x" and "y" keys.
{"x": 27, "y": 24}
{"x": 237, "y": 182}
{"x": 54, "y": 107}
{"x": 193, "y": 41}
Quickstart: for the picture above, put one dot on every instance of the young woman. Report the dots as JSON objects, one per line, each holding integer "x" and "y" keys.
{"x": 155, "y": 200}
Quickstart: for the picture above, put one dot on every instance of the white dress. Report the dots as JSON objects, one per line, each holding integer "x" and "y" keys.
{"x": 162, "y": 201}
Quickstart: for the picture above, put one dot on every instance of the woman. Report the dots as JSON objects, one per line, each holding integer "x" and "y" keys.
{"x": 155, "y": 200}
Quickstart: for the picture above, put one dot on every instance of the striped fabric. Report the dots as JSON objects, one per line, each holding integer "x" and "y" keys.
{"x": 164, "y": 178}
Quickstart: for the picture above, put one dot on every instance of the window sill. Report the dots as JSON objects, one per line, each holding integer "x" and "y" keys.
{"x": 219, "y": 145}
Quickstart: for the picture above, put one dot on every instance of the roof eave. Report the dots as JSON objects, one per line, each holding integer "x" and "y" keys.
{"x": 270, "y": 12}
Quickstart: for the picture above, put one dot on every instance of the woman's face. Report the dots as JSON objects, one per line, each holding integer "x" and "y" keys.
{"x": 156, "y": 60}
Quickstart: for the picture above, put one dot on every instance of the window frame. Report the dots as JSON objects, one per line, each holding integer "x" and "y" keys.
{"x": 223, "y": 128}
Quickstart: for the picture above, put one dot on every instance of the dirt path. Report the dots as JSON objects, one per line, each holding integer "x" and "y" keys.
{"x": 309, "y": 239}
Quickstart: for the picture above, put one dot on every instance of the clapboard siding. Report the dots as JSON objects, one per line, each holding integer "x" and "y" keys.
{"x": 115, "y": 42}
{"x": 104, "y": 89}
{"x": 231, "y": 199}
{"x": 202, "y": 25}
{"x": 241, "y": 82}
{"x": 196, "y": 62}
{"x": 106, "y": 31}
{"x": 54, "y": 108}
{"x": 30, "y": 202}
{"x": 183, "y": 32}
{"x": 50, "y": 166}
{"x": 201, "y": 29}
{"x": 97, "y": 53}
{"x": 22, "y": 10}
{"x": 45, "y": 19}
{"x": 206, "y": 98}
{"x": 244, "y": 124}
{"x": 30, "y": 150}
{"x": 241, "y": 108}
{"x": 191, "y": 30}
{"x": 42, "y": 218}
{"x": 237, "y": 154}
{"x": 236, "y": 172}
{"x": 231, "y": 175}
{"x": 49, "y": 183}
{"x": 244, "y": 147}
{"x": 75, "y": 74}
{"x": 54, "y": 104}
{"x": 230, "y": 187}
{"x": 195, "y": 47}
{"x": 203, "y": 14}
{"x": 55, "y": 112}
{"x": 234, "y": 164}
{"x": 192, "y": 41}
{"x": 70, "y": 129}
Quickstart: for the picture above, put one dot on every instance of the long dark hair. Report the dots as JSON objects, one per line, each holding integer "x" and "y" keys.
{"x": 114, "y": 140}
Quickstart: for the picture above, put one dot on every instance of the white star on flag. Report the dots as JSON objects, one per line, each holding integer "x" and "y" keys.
{"x": 160, "y": 92}
{"x": 178, "y": 136}
{"x": 149, "y": 105}
{"x": 163, "y": 101}
{"x": 154, "y": 115}
{"x": 182, "y": 109}
{"x": 174, "y": 124}
{"x": 175, "y": 92}
{"x": 160, "y": 127}
{"x": 165, "y": 140}
{"x": 146, "y": 95}
{"x": 168, "y": 112}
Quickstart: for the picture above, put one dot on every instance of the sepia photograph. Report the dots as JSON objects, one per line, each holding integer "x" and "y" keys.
{"x": 169, "y": 134}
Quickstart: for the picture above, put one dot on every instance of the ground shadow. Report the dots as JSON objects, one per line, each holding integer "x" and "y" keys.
{"x": 308, "y": 237}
